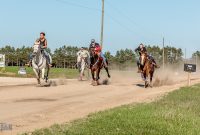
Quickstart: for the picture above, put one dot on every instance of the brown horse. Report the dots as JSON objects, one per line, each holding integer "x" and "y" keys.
{"x": 147, "y": 68}
{"x": 96, "y": 65}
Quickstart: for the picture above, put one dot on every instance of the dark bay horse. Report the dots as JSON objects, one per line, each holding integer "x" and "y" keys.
{"x": 148, "y": 68}
{"x": 96, "y": 65}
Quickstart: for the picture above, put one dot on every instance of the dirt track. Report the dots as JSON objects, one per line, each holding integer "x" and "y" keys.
{"x": 28, "y": 107}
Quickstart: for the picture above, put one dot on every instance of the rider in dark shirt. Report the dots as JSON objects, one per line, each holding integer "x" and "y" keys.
{"x": 43, "y": 44}
{"x": 92, "y": 47}
{"x": 143, "y": 49}
{"x": 140, "y": 49}
{"x": 42, "y": 41}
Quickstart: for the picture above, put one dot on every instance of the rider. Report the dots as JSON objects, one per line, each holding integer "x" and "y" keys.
{"x": 43, "y": 44}
{"x": 83, "y": 53}
{"x": 42, "y": 41}
{"x": 92, "y": 46}
{"x": 98, "y": 50}
{"x": 142, "y": 49}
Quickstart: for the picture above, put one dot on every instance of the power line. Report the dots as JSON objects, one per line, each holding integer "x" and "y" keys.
{"x": 95, "y": 9}
{"x": 127, "y": 17}
{"x": 110, "y": 17}
{"x": 124, "y": 26}
{"x": 78, "y": 5}
{"x": 116, "y": 9}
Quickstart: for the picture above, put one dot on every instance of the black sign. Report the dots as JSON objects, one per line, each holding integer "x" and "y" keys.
{"x": 189, "y": 67}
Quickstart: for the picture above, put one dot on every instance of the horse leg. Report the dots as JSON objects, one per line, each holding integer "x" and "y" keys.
{"x": 106, "y": 68}
{"x": 81, "y": 74}
{"x": 37, "y": 75}
{"x": 43, "y": 73}
{"x": 38, "y": 79}
{"x": 143, "y": 76}
{"x": 97, "y": 76}
{"x": 145, "y": 79}
{"x": 93, "y": 79}
{"x": 148, "y": 74}
{"x": 146, "y": 82}
{"x": 47, "y": 75}
{"x": 151, "y": 79}
{"x": 98, "y": 72}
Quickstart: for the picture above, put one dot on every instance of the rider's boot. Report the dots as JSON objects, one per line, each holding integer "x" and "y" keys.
{"x": 48, "y": 62}
{"x": 155, "y": 64}
{"x": 29, "y": 63}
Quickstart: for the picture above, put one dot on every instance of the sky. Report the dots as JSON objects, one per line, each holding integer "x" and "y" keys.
{"x": 127, "y": 23}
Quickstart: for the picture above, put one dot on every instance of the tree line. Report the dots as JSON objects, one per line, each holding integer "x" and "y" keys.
{"x": 65, "y": 56}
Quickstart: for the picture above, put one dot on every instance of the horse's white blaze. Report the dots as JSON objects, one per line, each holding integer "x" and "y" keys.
{"x": 142, "y": 59}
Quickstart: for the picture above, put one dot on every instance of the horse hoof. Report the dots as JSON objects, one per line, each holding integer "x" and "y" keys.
{"x": 98, "y": 83}
{"x": 80, "y": 79}
{"x": 92, "y": 82}
{"x": 146, "y": 84}
{"x": 95, "y": 83}
{"x": 38, "y": 85}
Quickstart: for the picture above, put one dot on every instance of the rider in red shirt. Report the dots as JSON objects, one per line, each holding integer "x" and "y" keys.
{"x": 98, "y": 51}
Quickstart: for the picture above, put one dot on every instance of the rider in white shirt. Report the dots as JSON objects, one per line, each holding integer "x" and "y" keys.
{"x": 83, "y": 54}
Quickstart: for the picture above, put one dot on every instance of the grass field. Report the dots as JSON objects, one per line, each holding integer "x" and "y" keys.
{"x": 54, "y": 72}
{"x": 178, "y": 113}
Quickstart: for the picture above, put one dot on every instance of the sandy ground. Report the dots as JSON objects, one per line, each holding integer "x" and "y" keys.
{"x": 28, "y": 107}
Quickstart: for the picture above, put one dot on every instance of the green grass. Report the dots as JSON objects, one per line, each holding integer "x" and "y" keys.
{"x": 54, "y": 72}
{"x": 178, "y": 113}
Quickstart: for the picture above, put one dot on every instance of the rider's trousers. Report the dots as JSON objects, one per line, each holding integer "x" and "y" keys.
{"x": 47, "y": 56}
{"x": 104, "y": 58}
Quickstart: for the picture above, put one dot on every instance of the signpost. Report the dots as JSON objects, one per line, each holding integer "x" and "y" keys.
{"x": 189, "y": 68}
{"x": 2, "y": 62}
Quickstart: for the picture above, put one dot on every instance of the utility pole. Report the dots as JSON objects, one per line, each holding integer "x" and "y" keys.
{"x": 102, "y": 23}
{"x": 196, "y": 59}
{"x": 163, "y": 53}
{"x": 185, "y": 56}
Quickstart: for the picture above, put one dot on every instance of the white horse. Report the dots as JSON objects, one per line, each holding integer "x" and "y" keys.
{"x": 39, "y": 63}
{"x": 82, "y": 64}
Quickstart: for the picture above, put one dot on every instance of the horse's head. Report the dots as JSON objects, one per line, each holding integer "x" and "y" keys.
{"x": 143, "y": 58}
{"x": 36, "y": 49}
